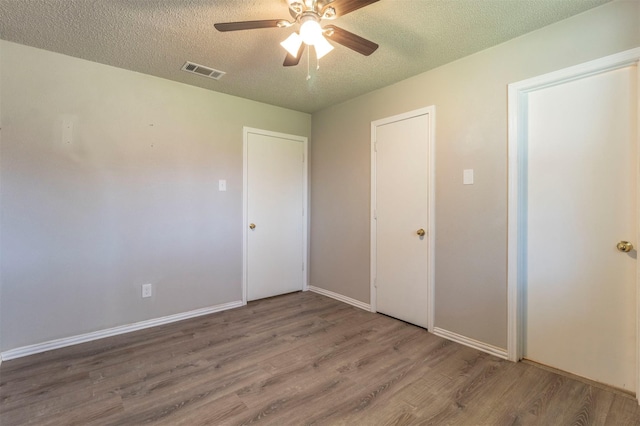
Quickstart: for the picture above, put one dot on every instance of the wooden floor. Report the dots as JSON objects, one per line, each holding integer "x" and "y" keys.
{"x": 295, "y": 359}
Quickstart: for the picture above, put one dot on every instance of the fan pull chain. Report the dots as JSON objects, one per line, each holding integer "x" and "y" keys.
{"x": 308, "y": 64}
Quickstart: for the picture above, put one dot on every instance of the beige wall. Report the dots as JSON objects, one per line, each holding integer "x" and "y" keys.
{"x": 132, "y": 199}
{"x": 471, "y": 132}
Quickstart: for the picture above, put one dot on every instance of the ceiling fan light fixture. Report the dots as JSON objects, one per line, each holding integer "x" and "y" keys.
{"x": 292, "y": 44}
{"x": 309, "y": 15}
{"x": 310, "y": 30}
{"x": 322, "y": 47}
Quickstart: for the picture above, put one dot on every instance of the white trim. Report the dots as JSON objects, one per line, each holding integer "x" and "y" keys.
{"x": 245, "y": 212}
{"x": 475, "y": 344}
{"x": 432, "y": 218}
{"x": 306, "y": 242}
{"x": 306, "y": 221}
{"x": 245, "y": 203}
{"x": 101, "y": 334}
{"x": 517, "y": 134}
{"x": 577, "y": 72}
{"x": 373, "y": 299}
{"x": 430, "y": 111}
{"x": 638, "y": 232}
{"x": 341, "y": 298}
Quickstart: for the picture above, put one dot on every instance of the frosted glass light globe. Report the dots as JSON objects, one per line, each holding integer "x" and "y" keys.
{"x": 310, "y": 32}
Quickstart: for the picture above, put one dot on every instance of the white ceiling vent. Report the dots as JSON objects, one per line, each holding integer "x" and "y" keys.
{"x": 202, "y": 70}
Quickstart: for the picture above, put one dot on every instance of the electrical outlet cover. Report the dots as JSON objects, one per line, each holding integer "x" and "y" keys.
{"x": 146, "y": 290}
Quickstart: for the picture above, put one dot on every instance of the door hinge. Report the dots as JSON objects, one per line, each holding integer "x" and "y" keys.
{"x": 375, "y": 146}
{"x": 303, "y": 266}
{"x": 375, "y": 214}
{"x": 375, "y": 283}
{"x": 303, "y": 157}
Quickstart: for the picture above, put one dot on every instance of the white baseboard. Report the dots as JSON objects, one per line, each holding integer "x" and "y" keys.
{"x": 101, "y": 334}
{"x": 345, "y": 299}
{"x": 458, "y": 338}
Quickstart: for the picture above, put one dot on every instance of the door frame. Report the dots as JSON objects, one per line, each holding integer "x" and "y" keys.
{"x": 517, "y": 195}
{"x": 246, "y": 131}
{"x": 430, "y": 112}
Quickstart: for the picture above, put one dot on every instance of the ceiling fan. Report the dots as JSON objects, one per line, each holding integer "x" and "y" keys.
{"x": 309, "y": 14}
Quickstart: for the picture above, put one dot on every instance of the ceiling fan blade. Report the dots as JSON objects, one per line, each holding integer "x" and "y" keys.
{"x": 350, "y": 40}
{"x": 248, "y": 25}
{"x": 342, "y": 7}
{"x": 291, "y": 60}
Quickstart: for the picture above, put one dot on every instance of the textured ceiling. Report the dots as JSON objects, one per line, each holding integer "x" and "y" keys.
{"x": 157, "y": 36}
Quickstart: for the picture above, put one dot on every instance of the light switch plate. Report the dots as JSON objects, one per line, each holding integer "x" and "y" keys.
{"x": 467, "y": 176}
{"x": 222, "y": 185}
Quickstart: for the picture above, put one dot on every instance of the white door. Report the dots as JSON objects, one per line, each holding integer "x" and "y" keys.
{"x": 581, "y": 191}
{"x": 275, "y": 213}
{"x": 401, "y": 214}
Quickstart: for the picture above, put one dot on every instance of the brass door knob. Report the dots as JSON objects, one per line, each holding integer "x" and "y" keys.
{"x": 420, "y": 232}
{"x": 624, "y": 246}
{"x": 252, "y": 226}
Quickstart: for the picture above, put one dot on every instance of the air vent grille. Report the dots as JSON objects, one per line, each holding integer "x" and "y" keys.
{"x": 202, "y": 70}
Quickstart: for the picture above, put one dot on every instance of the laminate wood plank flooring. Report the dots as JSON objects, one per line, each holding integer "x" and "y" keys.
{"x": 296, "y": 359}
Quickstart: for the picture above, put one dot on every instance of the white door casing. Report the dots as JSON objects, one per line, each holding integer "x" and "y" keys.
{"x": 402, "y": 202}
{"x": 275, "y": 251}
{"x": 584, "y": 226}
